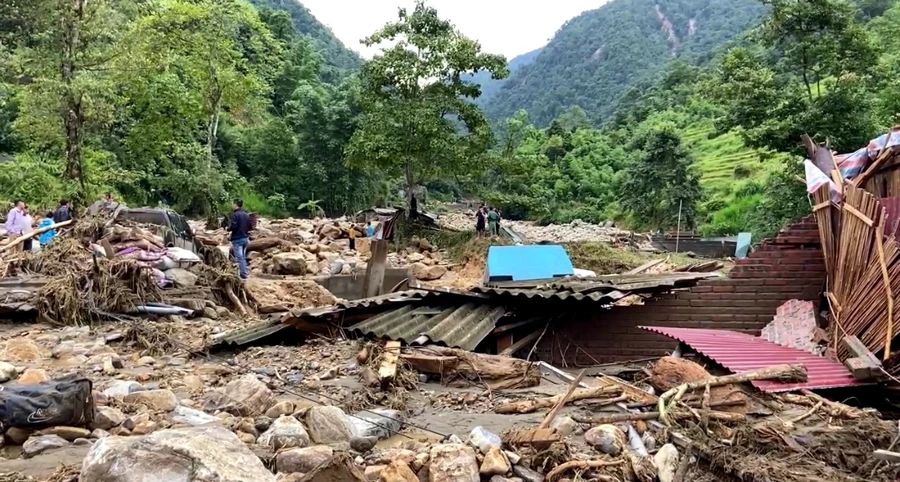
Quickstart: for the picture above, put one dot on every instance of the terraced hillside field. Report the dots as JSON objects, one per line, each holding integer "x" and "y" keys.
{"x": 723, "y": 161}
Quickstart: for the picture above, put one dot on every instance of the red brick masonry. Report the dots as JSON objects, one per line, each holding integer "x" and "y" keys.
{"x": 789, "y": 266}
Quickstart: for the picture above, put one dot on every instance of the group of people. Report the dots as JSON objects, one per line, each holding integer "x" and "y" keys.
{"x": 19, "y": 223}
{"x": 487, "y": 217}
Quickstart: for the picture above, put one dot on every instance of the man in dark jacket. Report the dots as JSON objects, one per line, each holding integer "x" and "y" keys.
{"x": 62, "y": 212}
{"x": 240, "y": 235}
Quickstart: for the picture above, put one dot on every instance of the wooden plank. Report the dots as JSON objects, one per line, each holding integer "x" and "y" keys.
{"x": 562, "y": 401}
{"x": 859, "y": 350}
{"x": 540, "y": 439}
{"x": 430, "y": 363}
{"x": 646, "y": 266}
{"x": 373, "y": 284}
{"x": 561, "y": 373}
{"x": 513, "y": 326}
{"x": 522, "y": 343}
{"x": 504, "y": 341}
{"x": 388, "y": 369}
{"x": 887, "y": 456}
{"x": 861, "y": 368}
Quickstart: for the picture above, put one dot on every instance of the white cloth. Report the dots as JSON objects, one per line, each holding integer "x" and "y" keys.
{"x": 27, "y": 224}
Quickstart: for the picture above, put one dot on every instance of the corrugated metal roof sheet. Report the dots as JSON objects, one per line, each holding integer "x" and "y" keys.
{"x": 740, "y": 352}
{"x": 381, "y": 300}
{"x": 602, "y": 289}
{"x": 252, "y": 333}
{"x": 462, "y": 326}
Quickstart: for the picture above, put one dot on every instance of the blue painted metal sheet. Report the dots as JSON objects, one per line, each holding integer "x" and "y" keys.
{"x": 522, "y": 263}
{"x": 743, "y": 245}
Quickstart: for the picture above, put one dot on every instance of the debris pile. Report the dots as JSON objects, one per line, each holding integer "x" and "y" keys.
{"x": 323, "y": 247}
{"x": 576, "y": 231}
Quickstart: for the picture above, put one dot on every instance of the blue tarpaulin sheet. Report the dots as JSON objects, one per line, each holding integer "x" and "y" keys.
{"x": 523, "y": 263}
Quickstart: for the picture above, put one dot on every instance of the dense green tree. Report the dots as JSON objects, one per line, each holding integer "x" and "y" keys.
{"x": 660, "y": 185}
{"x": 418, "y": 120}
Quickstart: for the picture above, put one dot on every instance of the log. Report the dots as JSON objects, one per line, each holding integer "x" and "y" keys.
{"x": 836, "y": 409}
{"x": 683, "y": 464}
{"x": 539, "y": 439}
{"x": 429, "y": 363}
{"x": 791, "y": 373}
{"x": 562, "y": 401}
{"x": 495, "y": 371}
{"x": 36, "y": 232}
{"x": 521, "y": 343}
{"x": 580, "y": 464}
{"x": 630, "y": 417}
{"x": 388, "y": 369}
{"x": 237, "y": 302}
{"x": 532, "y": 405}
{"x": 263, "y": 244}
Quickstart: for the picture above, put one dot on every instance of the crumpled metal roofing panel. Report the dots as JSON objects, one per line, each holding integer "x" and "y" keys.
{"x": 606, "y": 298}
{"x": 463, "y": 326}
{"x": 739, "y": 352}
{"x": 256, "y": 331}
{"x": 381, "y": 300}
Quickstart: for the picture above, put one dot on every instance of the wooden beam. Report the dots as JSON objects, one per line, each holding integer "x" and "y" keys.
{"x": 858, "y": 349}
{"x": 562, "y": 401}
{"x": 436, "y": 364}
{"x": 388, "y": 369}
{"x": 35, "y": 233}
{"x": 513, "y": 326}
{"x": 522, "y": 343}
{"x": 887, "y": 456}
{"x": 373, "y": 284}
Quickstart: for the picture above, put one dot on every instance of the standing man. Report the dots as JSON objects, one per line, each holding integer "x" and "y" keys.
{"x": 240, "y": 236}
{"x": 494, "y": 221}
{"x": 14, "y": 223}
{"x": 62, "y": 212}
{"x": 27, "y": 228}
{"x": 480, "y": 221}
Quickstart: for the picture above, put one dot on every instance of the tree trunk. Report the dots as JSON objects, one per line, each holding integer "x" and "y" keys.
{"x": 212, "y": 132}
{"x": 72, "y": 114}
{"x": 410, "y": 185}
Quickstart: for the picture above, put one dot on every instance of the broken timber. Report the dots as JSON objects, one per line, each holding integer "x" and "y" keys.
{"x": 863, "y": 365}
{"x": 388, "y": 369}
{"x": 532, "y": 405}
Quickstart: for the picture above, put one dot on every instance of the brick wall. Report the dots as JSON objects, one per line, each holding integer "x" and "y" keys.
{"x": 789, "y": 266}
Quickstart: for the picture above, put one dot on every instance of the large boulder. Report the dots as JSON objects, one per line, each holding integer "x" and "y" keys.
{"x": 302, "y": 459}
{"x": 190, "y": 416}
{"x": 7, "y": 372}
{"x": 290, "y": 264}
{"x": 181, "y": 277}
{"x": 608, "y": 439}
{"x": 161, "y": 400}
{"x": 39, "y": 444}
{"x": 329, "y": 425}
{"x": 106, "y": 418}
{"x": 397, "y": 471}
{"x": 249, "y": 396}
{"x": 285, "y": 432}
{"x": 22, "y": 349}
{"x": 379, "y": 423}
{"x": 209, "y": 453}
{"x": 424, "y": 272}
{"x": 453, "y": 463}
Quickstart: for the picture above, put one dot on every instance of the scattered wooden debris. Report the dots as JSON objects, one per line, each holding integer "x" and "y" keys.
{"x": 534, "y": 404}
{"x": 455, "y": 365}
{"x": 388, "y": 369}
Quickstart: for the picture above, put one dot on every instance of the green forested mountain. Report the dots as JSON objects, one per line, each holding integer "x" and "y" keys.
{"x": 596, "y": 56}
{"x": 490, "y": 87}
{"x": 335, "y": 55}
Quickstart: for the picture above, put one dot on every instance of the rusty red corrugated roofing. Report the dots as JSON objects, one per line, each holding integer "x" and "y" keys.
{"x": 739, "y": 352}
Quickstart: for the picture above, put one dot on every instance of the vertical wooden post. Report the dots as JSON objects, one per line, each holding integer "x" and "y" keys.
{"x": 374, "y": 281}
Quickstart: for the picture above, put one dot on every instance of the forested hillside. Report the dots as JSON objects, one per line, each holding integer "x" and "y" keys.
{"x": 338, "y": 60}
{"x": 596, "y": 56}
{"x": 490, "y": 87}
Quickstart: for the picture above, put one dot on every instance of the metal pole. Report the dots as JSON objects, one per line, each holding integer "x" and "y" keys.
{"x": 678, "y": 232}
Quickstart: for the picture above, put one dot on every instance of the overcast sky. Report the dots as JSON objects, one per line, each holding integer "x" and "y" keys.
{"x": 502, "y": 26}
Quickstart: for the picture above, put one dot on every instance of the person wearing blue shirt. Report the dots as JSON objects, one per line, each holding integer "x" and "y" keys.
{"x": 370, "y": 230}
{"x": 46, "y": 236}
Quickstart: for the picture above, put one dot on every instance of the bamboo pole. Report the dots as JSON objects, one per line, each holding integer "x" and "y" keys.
{"x": 34, "y": 233}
